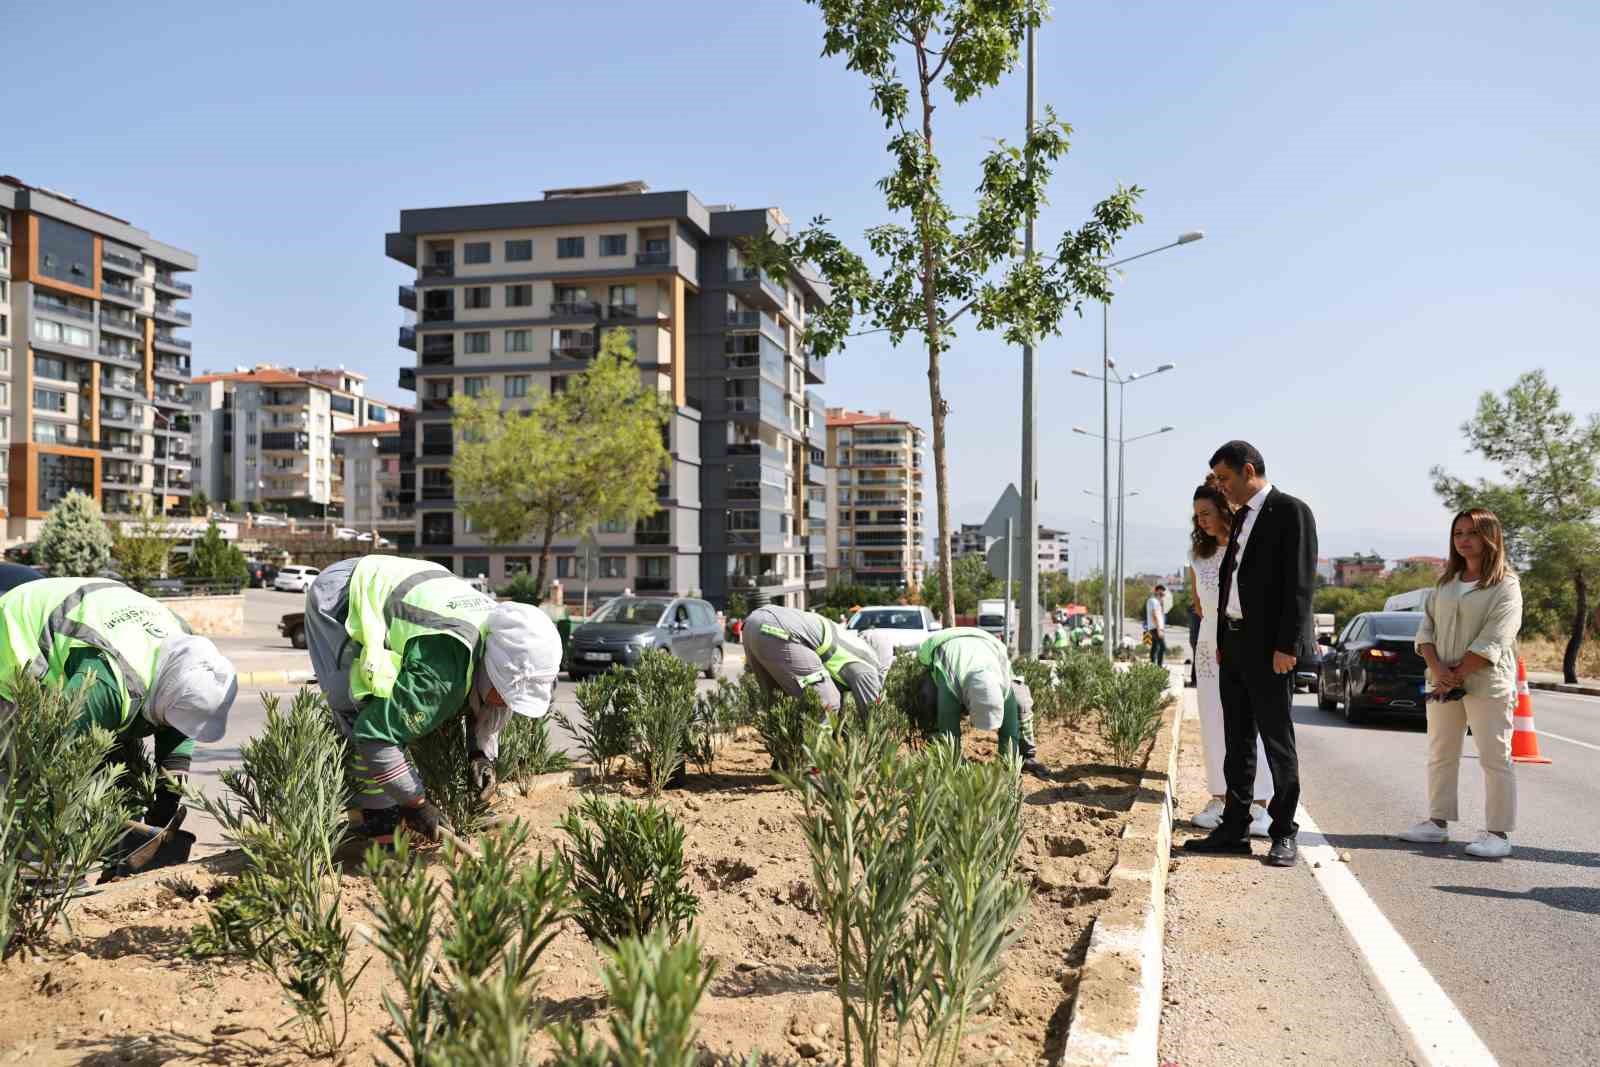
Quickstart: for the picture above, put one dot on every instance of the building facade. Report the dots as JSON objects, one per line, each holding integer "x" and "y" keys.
{"x": 93, "y": 369}
{"x": 874, "y": 499}
{"x": 371, "y": 457}
{"x": 1357, "y": 569}
{"x": 512, "y": 299}
{"x": 1055, "y": 553}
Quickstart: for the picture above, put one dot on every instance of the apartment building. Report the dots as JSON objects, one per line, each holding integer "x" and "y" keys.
{"x": 874, "y": 499}
{"x": 512, "y": 299}
{"x": 371, "y": 458}
{"x": 968, "y": 540}
{"x": 1054, "y": 551}
{"x": 92, "y": 368}
{"x": 264, "y": 438}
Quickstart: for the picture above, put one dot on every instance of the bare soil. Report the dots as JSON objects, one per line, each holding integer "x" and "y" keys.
{"x": 116, "y": 990}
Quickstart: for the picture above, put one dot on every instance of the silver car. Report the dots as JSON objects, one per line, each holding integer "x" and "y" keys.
{"x": 619, "y": 632}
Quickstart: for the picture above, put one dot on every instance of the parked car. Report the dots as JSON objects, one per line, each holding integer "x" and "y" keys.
{"x": 1373, "y": 666}
{"x": 345, "y": 533}
{"x": 293, "y": 626}
{"x": 261, "y": 573}
{"x": 22, "y": 552}
{"x": 269, "y": 520}
{"x": 364, "y": 537}
{"x": 907, "y": 625}
{"x": 618, "y": 633}
{"x": 294, "y": 579}
{"x": 15, "y": 574}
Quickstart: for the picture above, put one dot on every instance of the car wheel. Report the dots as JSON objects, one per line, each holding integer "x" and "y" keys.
{"x": 297, "y": 638}
{"x": 1322, "y": 696}
{"x": 716, "y": 663}
{"x": 1354, "y": 714}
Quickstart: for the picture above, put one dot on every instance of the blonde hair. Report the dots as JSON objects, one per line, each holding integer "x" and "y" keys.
{"x": 1487, "y": 526}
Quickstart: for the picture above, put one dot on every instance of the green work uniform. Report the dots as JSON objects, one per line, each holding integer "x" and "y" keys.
{"x": 953, "y": 656}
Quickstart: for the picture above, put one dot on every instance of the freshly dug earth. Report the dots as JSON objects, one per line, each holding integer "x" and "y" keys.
{"x": 116, "y": 990}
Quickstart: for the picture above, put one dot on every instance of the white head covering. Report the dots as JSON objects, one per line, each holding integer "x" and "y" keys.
{"x": 981, "y": 692}
{"x": 194, "y": 688}
{"x": 521, "y": 656}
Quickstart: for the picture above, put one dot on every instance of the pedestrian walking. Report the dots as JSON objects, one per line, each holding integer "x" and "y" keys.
{"x": 1212, "y": 522}
{"x": 792, "y": 650}
{"x": 400, "y": 648}
{"x": 1264, "y": 590}
{"x": 1468, "y": 639}
{"x": 1155, "y": 625}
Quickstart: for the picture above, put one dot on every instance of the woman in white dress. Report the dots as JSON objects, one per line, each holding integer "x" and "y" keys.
{"x": 1213, "y": 522}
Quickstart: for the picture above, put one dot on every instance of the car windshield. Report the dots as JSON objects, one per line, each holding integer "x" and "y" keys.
{"x": 1398, "y": 626}
{"x": 632, "y": 610}
{"x": 887, "y": 620}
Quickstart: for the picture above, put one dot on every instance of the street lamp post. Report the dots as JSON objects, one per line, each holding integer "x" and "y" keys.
{"x": 1114, "y": 559}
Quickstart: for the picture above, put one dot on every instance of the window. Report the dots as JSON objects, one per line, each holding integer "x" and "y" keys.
{"x": 473, "y": 386}
{"x": 48, "y": 400}
{"x": 516, "y": 565}
{"x": 377, "y": 413}
{"x": 45, "y": 367}
{"x": 519, "y": 340}
{"x": 519, "y": 296}
{"x": 613, "y": 244}
{"x": 59, "y": 475}
{"x": 519, "y": 251}
{"x": 655, "y": 567}
{"x": 438, "y": 528}
{"x": 566, "y": 566}
{"x": 5, "y": 356}
{"x": 60, "y": 333}
{"x": 516, "y": 385}
{"x": 475, "y": 566}
{"x": 558, "y": 383}
{"x": 345, "y": 405}
{"x": 5, "y": 293}
{"x": 569, "y": 247}
{"x": 477, "y": 296}
{"x": 475, "y": 342}
{"x": 624, "y": 298}
{"x": 613, "y": 567}
{"x": 475, "y": 252}
{"x": 613, "y": 526}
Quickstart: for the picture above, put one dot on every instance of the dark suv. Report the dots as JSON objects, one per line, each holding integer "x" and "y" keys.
{"x": 618, "y": 634}
{"x": 1374, "y": 667}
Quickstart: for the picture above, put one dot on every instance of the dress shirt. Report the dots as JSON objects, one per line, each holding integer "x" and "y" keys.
{"x": 1255, "y": 505}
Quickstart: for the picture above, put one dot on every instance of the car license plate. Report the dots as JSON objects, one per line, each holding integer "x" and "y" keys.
{"x": 597, "y": 657}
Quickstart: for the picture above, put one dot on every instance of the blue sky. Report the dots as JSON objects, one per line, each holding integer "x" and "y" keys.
{"x": 1398, "y": 202}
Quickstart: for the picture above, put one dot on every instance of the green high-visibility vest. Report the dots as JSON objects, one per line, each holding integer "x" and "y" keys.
{"x": 393, "y": 601}
{"x": 43, "y": 621}
{"x": 834, "y": 655}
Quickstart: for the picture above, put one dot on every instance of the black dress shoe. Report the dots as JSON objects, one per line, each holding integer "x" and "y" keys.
{"x": 1283, "y": 853}
{"x": 1220, "y": 842}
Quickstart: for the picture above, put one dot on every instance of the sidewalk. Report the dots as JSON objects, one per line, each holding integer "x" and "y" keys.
{"x": 1258, "y": 969}
{"x": 261, "y": 662}
{"x": 1552, "y": 681}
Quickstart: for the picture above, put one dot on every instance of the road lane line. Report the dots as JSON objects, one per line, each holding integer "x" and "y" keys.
{"x": 1440, "y": 1034}
{"x": 1568, "y": 740}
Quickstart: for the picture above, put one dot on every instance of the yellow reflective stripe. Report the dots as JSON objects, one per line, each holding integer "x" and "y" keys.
{"x": 814, "y": 678}
{"x": 774, "y": 631}
{"x": 827, "y": 640}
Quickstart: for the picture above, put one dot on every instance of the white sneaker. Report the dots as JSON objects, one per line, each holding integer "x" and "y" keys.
{"x": 1487, "y": 846}
{"x": 1210, "y": 817}
{"x": 1260, "y": 821}
{"x": 1426, "y": 832}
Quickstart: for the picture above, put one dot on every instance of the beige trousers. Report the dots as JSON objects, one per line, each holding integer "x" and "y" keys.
{"x": 1490, "y": 719}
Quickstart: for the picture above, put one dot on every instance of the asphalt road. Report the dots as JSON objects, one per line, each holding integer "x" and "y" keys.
{"x": 1514, "y": 944}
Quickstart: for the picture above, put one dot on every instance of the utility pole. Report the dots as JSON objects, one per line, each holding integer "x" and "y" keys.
{"x": 1028, "y": 610}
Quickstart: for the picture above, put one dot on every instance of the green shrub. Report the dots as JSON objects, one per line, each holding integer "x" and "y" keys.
{"x": 443, "y": 760}
{"x": 1079, "y": 677}
{"x": 216, "y": 559}
{"x": 283, "y": 912}
{"x": 902, "y": 690}
{"x": 74, "y": 541}
{"x": 751, "y": 698}
{"x": 783, "y": 723}
{"x": 716, "y": 716}
{"x": 653, "y": 985}
{"x": 63, "y": 810}
{"x": 525, "y": 751}
{"x": 664, "y": 704}
{"x": 523, "y": 589}
{"x": 605, "y": 730}
{"x": 625, "y": 863}
{"x": 1131, "y": 703}
{"x": 1040, "y": 678}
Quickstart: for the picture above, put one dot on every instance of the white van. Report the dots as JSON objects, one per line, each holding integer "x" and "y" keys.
{"x": 1416, "y": 600}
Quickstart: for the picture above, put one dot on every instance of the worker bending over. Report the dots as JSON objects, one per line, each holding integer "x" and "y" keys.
{"x": 400, "y": 647}
{"x": 969, "y": 673}
{"x": 139, "y": 671}
{"x": 796, "y": 650}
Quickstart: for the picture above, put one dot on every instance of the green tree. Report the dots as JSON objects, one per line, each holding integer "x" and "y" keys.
{"x": 1549, "y": 501}
{"x": 594, "y": 452}
{"x": 973, "y": 583}
{"x": 937, "y": 264}
{"x": 212, "y": 558}
{"x": 141, "y": 550}
{"x": 74, "y": 541}
{"x": 199, "y": 504}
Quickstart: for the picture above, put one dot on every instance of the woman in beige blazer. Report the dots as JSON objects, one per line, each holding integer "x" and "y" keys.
{"x": 1468, "y": 638}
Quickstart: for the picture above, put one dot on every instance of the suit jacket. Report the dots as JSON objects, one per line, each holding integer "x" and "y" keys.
{"x": 1275, "y": 579}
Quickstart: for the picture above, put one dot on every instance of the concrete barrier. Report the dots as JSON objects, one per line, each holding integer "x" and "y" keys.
{"x": 214, "y": 616}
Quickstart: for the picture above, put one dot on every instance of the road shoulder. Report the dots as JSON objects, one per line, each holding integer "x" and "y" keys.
{"x": 1258, "y": 969}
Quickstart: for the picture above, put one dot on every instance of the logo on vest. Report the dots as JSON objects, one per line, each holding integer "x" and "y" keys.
{"x": 144, "y": 618}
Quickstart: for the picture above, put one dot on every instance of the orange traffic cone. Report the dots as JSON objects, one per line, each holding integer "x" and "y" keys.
{"x": 1524, "y": 741}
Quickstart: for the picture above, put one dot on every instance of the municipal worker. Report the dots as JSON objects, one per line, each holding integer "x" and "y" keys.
{"x": 139, "y": 671}
{"x": 795, "y": 650}
{"x": 400, "y": 648}
{"x": 969, "y": 672}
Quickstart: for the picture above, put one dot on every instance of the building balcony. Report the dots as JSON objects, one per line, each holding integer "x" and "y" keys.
{"x": 408, "y": 338}
{"x": 575, "y": 309}
{"x": 71, "y": 311}
{"x": 816, "y": 369}
{"x": 168, "y": 313}
{"x": 119, "y": 322}
{"x": 408, "y": 297}
{"x": 443, "y": 269}
{"x": 646, "y": 583}
{"x": 124, "y": 264}
{"x": 657, "y": 258}
{"x": 622, "y": 311}
{"x": 167, "y": 281}
{"x": 438, "y": 448}
{"x": 121, "y": 355}
{"x": 816, "y": 474}
{"x": 166, "y": 337}
{"x": 572, "y": 351}
{"x": 438, "y": 314}
{"x": 123, "y": 294}
{"x": 171, "y": 370}
{"x": 408, "y": 379}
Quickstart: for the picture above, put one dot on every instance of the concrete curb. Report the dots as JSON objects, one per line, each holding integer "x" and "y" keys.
{"x": 1562, "y": 687}
{"x": 274, "y": 678}
{"x": 1116, "y": 1016}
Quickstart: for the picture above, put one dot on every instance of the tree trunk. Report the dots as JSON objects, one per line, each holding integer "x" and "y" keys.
{"x": 1569, "y": 662}
{"x": 544, "y": 562}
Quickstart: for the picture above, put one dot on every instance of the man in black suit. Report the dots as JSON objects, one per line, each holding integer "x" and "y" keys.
{"x": 1264, "y": 602}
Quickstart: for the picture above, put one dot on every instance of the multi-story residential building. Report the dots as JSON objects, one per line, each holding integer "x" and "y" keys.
{"x": 1357, "y": 569}
{"x": 874, "y": 499}
{"x": 264, "y": 438}
{"x": 92, "y": 372}
{"x": 371, "y": 455}
{"x": 969, "y": 540}
{"x": 512, "y": 299}
{"x": 1054, "y": 551}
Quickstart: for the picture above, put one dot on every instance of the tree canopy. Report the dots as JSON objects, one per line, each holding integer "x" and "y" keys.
{"x": 74, "y": 541}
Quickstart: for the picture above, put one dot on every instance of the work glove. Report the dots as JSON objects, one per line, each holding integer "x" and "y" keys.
{"x": 480, "y": 773}
{"x": 423, "y": 819}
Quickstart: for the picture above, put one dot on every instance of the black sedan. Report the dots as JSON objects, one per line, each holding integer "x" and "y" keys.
{"x": 1374, "y": 667}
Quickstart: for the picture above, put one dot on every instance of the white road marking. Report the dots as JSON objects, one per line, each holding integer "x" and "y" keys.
{"x": 1439, "y": 1032}
{"x": 1568, "y": 740}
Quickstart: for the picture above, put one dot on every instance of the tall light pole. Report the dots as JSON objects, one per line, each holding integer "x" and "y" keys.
{"x": 1105, "y": 404}
{"x": 1028, "y": 611}
{"x": 1118, "y": 603}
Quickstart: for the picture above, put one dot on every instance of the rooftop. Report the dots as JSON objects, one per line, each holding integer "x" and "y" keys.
{"x": 845, "y": 417}
{"x": 371, "y": 428}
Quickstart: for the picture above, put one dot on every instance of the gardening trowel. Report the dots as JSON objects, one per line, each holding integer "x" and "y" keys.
{"x": 148, "y": 847}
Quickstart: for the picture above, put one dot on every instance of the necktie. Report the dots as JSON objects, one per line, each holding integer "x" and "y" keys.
{"x": 1230, "y": 561}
